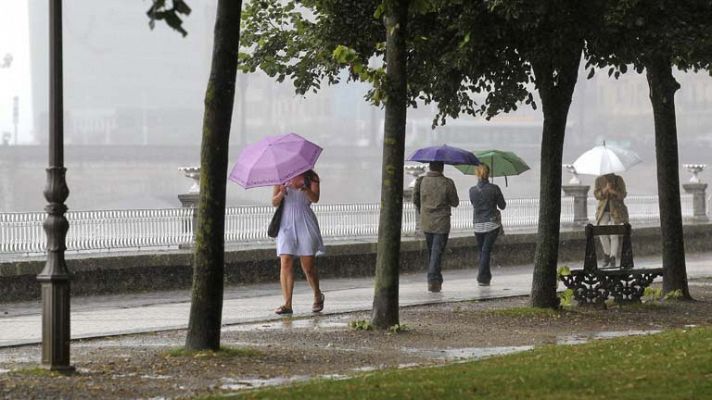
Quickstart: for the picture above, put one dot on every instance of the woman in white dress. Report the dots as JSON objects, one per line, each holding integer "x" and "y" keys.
{"x": 299, "y": 236}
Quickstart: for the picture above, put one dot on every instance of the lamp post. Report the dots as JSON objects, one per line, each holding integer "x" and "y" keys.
{"x": 55, "y": 277}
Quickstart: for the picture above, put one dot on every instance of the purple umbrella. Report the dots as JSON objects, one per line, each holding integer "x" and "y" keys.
{"x": 445, "y": 154}
{"x": 274, "y": 160}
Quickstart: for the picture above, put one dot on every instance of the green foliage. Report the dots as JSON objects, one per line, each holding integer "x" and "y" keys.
{"x": 398, "y": 328}
{"x": 656, "y": 295}
{"x": 673, "y": 295}
{"x": 361, "y": 325}
{"x": 652, "y": 294}
{"x": 224, "y": 352}
{"x": 633, "y": 32}
{"x": 160, "y": 11}
{"x": 566, "y": 298}
{"x": 563, "y": 271}
{"x": 298, "y": 43}
{"x": 671, "y": 365}
{"x": 456, "y": 51}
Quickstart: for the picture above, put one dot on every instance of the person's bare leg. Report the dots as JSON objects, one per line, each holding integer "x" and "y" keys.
{"x": 309, "y": 268}
{"x": 286, "y": 278}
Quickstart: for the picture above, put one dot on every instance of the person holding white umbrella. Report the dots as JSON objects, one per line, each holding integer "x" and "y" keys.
{"x": 610, "y": 191}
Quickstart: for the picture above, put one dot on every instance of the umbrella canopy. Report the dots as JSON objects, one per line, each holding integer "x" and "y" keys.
{"x": 445, "y": 154}
{"x": 501, "y": 163}
{"x": 605, "y": 159}
{"x": 274, "y": 160}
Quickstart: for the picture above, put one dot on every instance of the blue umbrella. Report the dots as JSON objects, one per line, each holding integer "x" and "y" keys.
{"x": 445, "y": 154}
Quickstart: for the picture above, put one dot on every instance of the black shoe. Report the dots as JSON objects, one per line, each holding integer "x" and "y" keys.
{"x": 483, "y": 283}
{"x": 434, "y": 287}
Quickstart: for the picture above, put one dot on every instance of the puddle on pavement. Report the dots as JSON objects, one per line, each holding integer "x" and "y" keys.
{"x": 585, "y": 338}
{"x": 253, "y": 383}
{"x": 288, "y": 324}
{"x": 156, "y": 377}
{"x": 129, "y": 342}
{"x": 469, "y": 353}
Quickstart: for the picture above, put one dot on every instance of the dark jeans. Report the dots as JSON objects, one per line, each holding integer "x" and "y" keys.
{"x": 485, "y": 242}
{"x": 436, "y": 247}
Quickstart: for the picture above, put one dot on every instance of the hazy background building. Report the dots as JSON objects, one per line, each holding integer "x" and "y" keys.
{"x": 134, "y": 106}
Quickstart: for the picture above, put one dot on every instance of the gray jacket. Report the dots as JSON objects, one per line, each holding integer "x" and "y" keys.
{"x": 485, "y": 198}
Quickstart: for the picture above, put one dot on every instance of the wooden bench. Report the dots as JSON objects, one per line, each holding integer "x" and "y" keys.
{"x": 626, "y": 284}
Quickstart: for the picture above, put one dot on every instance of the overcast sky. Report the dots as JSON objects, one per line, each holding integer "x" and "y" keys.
{"x": 15, "y": 81}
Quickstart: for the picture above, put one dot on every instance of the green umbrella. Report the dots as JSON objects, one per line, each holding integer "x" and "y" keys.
{"x": 501, "y": 163}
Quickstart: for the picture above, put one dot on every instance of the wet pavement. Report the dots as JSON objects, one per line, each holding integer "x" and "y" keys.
{"x": 99, "y": 316}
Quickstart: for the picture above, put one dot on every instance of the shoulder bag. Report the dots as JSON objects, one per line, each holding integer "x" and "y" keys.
{"x": 273, "y": 228}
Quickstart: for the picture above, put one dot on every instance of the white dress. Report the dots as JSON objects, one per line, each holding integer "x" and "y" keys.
{"x": 299, "y": 233}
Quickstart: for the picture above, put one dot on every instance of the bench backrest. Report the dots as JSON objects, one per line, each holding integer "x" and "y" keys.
{"x": 590, "y": 262}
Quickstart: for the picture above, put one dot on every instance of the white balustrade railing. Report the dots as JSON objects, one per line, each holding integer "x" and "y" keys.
{"x": 112, "y": 230}
{"x": 644, "y": 209}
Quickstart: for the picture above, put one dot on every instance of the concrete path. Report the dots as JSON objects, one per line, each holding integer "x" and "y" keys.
{"x": 20, "y": 323}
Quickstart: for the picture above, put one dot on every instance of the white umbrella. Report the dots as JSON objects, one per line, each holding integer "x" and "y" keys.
{"x": 605, "y": 159}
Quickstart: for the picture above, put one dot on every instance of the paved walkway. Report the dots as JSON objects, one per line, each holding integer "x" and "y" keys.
{"x": 20, "y": 323}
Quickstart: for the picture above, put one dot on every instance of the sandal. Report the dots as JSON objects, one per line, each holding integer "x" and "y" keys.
{"x": 283, "y": 310}
{"x": 318, "y": 305}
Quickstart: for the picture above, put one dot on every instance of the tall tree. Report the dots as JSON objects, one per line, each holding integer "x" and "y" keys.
{"x": 542, "y": 42}
{"x": 385, "y": 299}
{"x": 209, "y": 252}
{"x": 656, "y": 36}
{"x": 553, "y": 34}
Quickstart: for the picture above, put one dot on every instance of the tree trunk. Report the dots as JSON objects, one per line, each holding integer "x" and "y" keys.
{"x": 662, "y": 96}
{"x": 556, "y": 86}
{"x": 209, "y": 254}
{"x": 385, "y": 300}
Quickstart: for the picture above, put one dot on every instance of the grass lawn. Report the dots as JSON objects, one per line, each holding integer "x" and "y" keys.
{"x": 671, "y": 365}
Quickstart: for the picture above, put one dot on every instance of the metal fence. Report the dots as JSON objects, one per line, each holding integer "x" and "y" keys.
{"x": 121, "y": 230}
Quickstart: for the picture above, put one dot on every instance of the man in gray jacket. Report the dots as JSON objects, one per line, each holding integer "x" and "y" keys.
{"x": 433, "y": 196}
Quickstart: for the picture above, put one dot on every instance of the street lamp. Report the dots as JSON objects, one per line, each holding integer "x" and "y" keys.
{"x": 55, "y": 277}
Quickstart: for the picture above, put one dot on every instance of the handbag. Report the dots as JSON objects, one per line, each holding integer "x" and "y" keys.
{"x": 498, "y": 220}
{"x": 273, "y": 228}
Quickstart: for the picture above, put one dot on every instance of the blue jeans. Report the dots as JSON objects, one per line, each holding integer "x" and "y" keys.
{"x": 436, "y": 247}
{"x": 485, "y": 242}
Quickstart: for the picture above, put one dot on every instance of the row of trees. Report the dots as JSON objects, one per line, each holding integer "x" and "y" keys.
{"x": 445, "y": 52}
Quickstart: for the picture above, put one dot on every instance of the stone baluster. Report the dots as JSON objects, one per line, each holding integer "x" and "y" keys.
{"x": 580, "y": 194}
{"x": 190, "y": 199}
{"x": 698, "y": 191}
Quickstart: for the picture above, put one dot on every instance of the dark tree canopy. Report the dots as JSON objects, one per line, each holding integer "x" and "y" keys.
{"x": 449, "y": 58}
{"x": 656, "y": 36}
{"x": 170, "y": 12}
